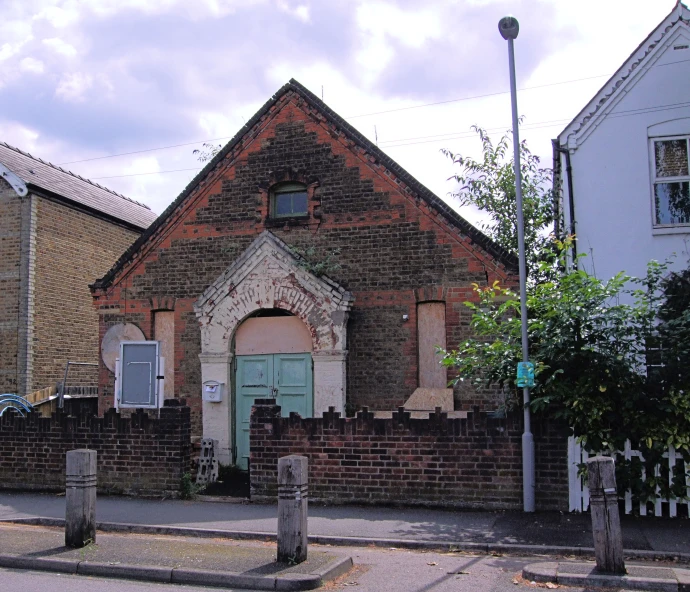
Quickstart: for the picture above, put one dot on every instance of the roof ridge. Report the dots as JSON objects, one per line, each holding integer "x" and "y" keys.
{"x": 75, "y": 175}
{"x": 481, "y": 239}
{"x": 619, "y": 77}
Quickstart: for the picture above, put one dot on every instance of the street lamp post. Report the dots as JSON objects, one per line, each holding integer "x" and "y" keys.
{"x": 509, "y": 27}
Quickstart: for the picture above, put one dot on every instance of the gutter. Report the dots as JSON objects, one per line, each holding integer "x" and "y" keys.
{"x": 558, "y": 149}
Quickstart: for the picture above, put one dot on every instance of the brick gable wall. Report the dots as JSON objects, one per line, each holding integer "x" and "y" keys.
{"x": 391, "y": 244}
{"x": 73, "y": 249}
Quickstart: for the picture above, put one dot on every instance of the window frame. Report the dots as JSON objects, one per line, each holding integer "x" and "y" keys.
{"x": 290, "y": 187}
{"x": 656, "y": 180}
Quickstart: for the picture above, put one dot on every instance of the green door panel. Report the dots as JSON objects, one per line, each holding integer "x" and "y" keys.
{"x": 254, "y": 381}
{"x": 287, "y": 377}
{"x": 293, "y": 379}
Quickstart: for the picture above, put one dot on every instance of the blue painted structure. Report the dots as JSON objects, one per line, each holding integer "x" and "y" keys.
{"x": 19, "y": 404}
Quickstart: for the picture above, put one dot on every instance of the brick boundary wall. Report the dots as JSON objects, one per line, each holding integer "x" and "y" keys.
{"x": 137, "y": 455}
{"x": 473, "y": 463}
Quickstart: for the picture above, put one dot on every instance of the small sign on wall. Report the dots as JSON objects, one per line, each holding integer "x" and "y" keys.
{"x": 213, "y": 391}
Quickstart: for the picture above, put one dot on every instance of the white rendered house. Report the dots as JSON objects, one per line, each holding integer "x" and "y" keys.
{"x": 623, "y": 164}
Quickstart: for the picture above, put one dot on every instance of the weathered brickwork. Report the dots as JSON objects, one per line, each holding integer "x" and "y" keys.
{"x": 391, "y": 245}
{"x": 10, "y": 241}
{"x": 138, "y": 455}
{"x": 459, "y": 463}
{"x": 73, "y": 249}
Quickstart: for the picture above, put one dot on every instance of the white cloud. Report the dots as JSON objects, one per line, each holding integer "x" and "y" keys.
{"x": 373, "y": 59}
{"x": 380, "y": 23}
{"x": 18, "y": 135}
{"x": 7, "y": 50}
{"x": 300, "y": 12}
{"x": 73, "y": 86}
{"x": 60, "y": 46}
{"x": 193, "y": 10}
{"x": 106, "y": 84}
{"x": 31, "y": 65}
{"x": 59, "y": 17}
{"x": 410, "y": 28}
{"x": 220, "y": 125}
{"x": 143, "y": 164}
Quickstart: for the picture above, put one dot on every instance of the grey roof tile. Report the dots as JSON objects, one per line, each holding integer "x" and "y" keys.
{"x": 43, "y": 175}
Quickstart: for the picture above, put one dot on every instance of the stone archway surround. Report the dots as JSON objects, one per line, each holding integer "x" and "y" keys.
{"x": 268, "y": 275}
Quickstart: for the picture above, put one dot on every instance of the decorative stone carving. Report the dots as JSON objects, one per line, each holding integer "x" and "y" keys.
{"x": 269, "y": 275}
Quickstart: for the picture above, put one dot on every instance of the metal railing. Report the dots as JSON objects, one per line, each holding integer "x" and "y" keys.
{"x": 63, "y": 386}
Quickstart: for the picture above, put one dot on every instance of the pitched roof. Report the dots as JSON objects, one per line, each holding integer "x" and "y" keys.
{"x": 679, "y": 14}
{"x": 477, "y": 236}
{"x": 41, "y": 175}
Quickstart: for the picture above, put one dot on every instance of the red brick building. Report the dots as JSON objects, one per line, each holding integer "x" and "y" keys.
{"x": 301, "y": 263}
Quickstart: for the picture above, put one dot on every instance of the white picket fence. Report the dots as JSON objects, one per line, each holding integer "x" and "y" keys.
{"x": 579, "y": 492}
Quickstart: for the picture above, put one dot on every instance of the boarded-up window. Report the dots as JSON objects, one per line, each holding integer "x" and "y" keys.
{"x": 272, "y": 335}
{"x": 164, "y": 331}
{"x": 431, "y": 333}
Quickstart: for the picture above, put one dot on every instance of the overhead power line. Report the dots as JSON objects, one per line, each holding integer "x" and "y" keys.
{"x": 350, "y": 117}
{"x": 145, "y": 150}
{"x": 469, "y": 134}
{"x": 459, "y": 135}
{"x": 140, "y": 174}
{"x": 494, "y": 94}
{"x": 356, "y": 116}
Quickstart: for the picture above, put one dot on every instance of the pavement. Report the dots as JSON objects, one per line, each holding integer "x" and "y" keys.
{"x": 506, "y": 533}
{"x": 637, "y": 577}
{"x": 175, "y": 560}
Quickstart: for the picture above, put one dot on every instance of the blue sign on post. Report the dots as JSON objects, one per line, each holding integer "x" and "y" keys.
{"x": 525, "y": 374}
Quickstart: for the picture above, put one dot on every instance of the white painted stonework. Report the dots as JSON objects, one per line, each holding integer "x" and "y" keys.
{"x": 611, "y": 151}
{"x": 217, "y": 417}
{"x": 268, "y": 276}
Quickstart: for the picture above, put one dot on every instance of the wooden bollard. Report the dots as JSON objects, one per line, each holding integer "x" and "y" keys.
{"x": 606, "y": 523}
{"x": 292, "y": 509}
{"x": 80, "y": 497}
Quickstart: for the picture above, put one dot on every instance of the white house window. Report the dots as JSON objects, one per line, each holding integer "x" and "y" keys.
{"x": 671, "y": 181}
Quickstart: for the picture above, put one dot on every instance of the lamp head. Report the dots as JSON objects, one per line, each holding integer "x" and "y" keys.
{"x": 508, "y": 27}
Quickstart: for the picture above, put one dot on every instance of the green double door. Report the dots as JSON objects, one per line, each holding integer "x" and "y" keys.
{"x": 284, "y": 377}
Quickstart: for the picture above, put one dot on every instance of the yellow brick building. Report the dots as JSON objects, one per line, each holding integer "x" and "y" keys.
{"x": 58, "y": 233}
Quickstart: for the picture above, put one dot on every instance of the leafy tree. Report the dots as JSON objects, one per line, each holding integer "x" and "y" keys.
{"x": 610, "y": 371}
{"x": 591, "y": 361}
{"x": 489, "y": 185}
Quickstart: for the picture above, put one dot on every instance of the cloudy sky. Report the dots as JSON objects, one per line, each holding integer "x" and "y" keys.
{"x": 82, "y": 81}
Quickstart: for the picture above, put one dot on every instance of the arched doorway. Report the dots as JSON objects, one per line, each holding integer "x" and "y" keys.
{"x": 269, "y": 277}
{"x": 272, "y": 360}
